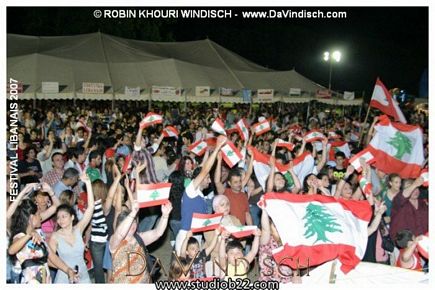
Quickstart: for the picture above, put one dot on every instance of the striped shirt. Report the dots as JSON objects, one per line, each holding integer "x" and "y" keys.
{"x": 99, "y": 224}
{"x": 149, "y": 174}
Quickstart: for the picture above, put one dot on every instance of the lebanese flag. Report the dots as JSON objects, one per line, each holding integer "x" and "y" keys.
{"x": 425, "y": 175}
{"x": 369, "y": 158}
{"x": 231, "y": 154}
{"x": 366, "y": 186}
{"x": 205, "y": 222}
{"x": 382, "y": 100}
{"x": 322, "y": 229}
{"x": 243, "y": 128}
{"x": 127, "y": 164}
{"x": 218, "y": 126}
{"x": 295, "y": 129}
{"x": 241, "y": 231}
{"x": 170, "y": 131}
{"x": 231, "y": 130}
{"x": 153, "y": 194}
{"x": 303, "y": 165}
{"x": 314, "y": 135}
{"x": 285, "y": 144}
{"x": 336, "y": 146}
{"x": 397, "y": 148}
{"x": 423, "y": 246}
{"x": 198, "y": 148}
{"x": 261, "y": 127}
{"x": 151, "y": 119}
{"x": 262, "y": 168}
{"x": 333, "y": 135}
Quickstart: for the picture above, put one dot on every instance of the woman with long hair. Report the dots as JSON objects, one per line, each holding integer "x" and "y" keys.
{"x": 68, "y": 241}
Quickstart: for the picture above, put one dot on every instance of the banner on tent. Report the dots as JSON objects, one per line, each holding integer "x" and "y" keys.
{"x": 348, "y": 95}
{"x": 158, "y": 92}
{"x": 50, "y": 87}
{"x": 132, "y": 92}
{"x": 265, "y": 95}
{"x": 226, "y": 92}
{"x": 324, "y": 94}
{"x": 294, "y": 92}
{"x": 247, "y": 95}
{"x": 93, "y": 88}
{"x": 202, "y": 91}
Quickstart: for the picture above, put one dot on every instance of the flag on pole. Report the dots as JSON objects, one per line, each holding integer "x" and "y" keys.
{"x": 261, "y": 127}
{"x": 153, "y": 194}
{"x": 382, "y": 100}
{"x": 314, "y": 135}
{"x": 205, "y": 222}
{"x": 241, "y": 231}
{"x": 323, "y": 229}
{"x": 170, "y": 131}
{"x": 303, "y": 165}
{"x": 285, "y": 144}
{"x": 127, "y": 164}
{"x": 243, "y": 128}
{"x": 425, "y": 175}
{"x": 397, "y": 148}
{"x": 355, "y": 160}
{"x": 198, "y": 148}
{"x": 218, "y": 126}
{"x": 423, "y": 246}
{"x": 151, "y": 119}
{"x": 231, "y": 154}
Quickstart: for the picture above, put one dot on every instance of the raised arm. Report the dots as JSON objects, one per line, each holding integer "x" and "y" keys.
{"x": 250, "y": 169}
{"x": 184, "y": 245}
{"x": 322, "y": 161}
{"x": 408, "y": 191}
{"x": 23, "y": 193}
{"x": 208, "y": 165}
{"x": 213, "y": 243}
{"x": 112, "y": 190}
{"x": 122, "y": 230}
{"x": 265, "y": 227}
{"x": 374, "y": 225}
{"x": 87, "y": 216}
{"x": 270, "y": 180}
{"x": 254, "y": 249}
{"x": 151, "y": 236}
{"x": 52, "y": 209}
{"x": 297, "y": 183}
{"x": 220, "y": 188}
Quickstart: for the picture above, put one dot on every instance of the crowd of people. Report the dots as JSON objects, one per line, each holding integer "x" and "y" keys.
{"x": 77, "y": 216}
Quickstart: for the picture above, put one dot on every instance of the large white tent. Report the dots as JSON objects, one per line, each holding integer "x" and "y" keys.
{"x": 119, "y": 62}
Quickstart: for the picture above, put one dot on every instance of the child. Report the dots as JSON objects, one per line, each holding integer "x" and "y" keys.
{"x": 177, "y": 270}
{"x": 409, "y": 258}
{"x": 190, "y": 248}
{"x": 231, "y": 256}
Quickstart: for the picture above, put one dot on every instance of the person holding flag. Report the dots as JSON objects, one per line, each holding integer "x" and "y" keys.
{"x": 193, "y": 200}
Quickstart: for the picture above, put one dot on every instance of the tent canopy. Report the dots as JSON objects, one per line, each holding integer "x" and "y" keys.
{"x": 119, "y": 62}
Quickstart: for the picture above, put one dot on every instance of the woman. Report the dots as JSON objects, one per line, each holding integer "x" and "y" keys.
{"x": 175, "y": 196}
{"x": 68, "y": 241}
{"x": 30, "y": 248}
{"x": 394, "y": 184}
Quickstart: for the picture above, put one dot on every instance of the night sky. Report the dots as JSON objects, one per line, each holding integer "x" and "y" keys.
{"x": 391, "y": 43}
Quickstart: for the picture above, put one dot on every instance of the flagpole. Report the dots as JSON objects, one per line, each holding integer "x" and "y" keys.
{"x": 364, "y": 126}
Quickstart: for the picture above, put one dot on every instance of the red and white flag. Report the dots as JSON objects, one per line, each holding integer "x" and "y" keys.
{"x": 231, "y": 130}
{"x": 425, "y": 175}
{"x": 261, "y": 127}
{"x": 423, "y": 246}
{"x": 205, "y": 222}
{"x": 333, "y": 135}
{"x": 366, "y": 186}
{"x": 219, "y": 127}
{"x": 338, "y": 146}
{"x": 151, "y": 119}
{"x": 323, "y": 229}
{"x": 355, "y": 160}
{"x": 303, "y": 165}
{"x": 153, "y": 194}
{"x": 314, "y": 135}
{"x": 285, "y": 144}
{"x": 231, "y": 154}
{"x": 241, "y": 231}
{"x": 295, "y": 129}
{"x": 397, "y": 148}
{"x": 382, "y": 100}
{"x": 198, "y": 148}
{"x": 243, "y": 128}
{"x": 127, "y": 164}
{"x": 170, "y": 131}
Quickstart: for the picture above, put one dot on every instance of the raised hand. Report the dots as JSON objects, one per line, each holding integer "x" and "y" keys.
{"x": 166, "y": 208}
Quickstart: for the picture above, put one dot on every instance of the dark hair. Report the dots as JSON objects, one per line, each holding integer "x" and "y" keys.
{"x": 21, "y": 217}
{"x": 183, "y": 163}
{"x": 68, "y": 209}
{"x": 391, "y": 177}
{"x": 196, "y": 172}
{"x": 285, "y": 188}
{"x": 122, "y": 216}
{"x": 402, "y": 238}
{"x": 177, "y": 187}
{"x": 94, "y": 154}
{"x": 340, "y": 154}
{"x": 192, "y": 241}
{"x": 178, "y": 268}
{"x": 78, "y": 151}
{"x": 55, "y": 154}
{"x": 27, "y": 150}
{"x": 234, "y": 172}
{"x": 305, "y": 183}
{"x": 234, "y": 244}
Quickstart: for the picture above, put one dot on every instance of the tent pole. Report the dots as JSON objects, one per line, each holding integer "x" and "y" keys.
{"x": 185, "y": 101}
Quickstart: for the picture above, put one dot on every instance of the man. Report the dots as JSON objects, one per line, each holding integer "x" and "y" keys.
{"x": 77, "y": 161}
{"x": 69, "y": 180}
{"x": 239, "y": 205}
{"x": 54, "y": 175}
{"x": 93, "y": 166}
{"x": 45, "y": 154}
{"x": 338, "y": 171}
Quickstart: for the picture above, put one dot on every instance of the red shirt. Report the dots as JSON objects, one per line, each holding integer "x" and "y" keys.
{"x": 239, "y": 205}
{"x": 417, "y": 261}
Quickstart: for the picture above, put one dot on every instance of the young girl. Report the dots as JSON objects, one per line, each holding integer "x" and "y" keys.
{"x": 67, "y": 241}
{"x": 177, "y": 270}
